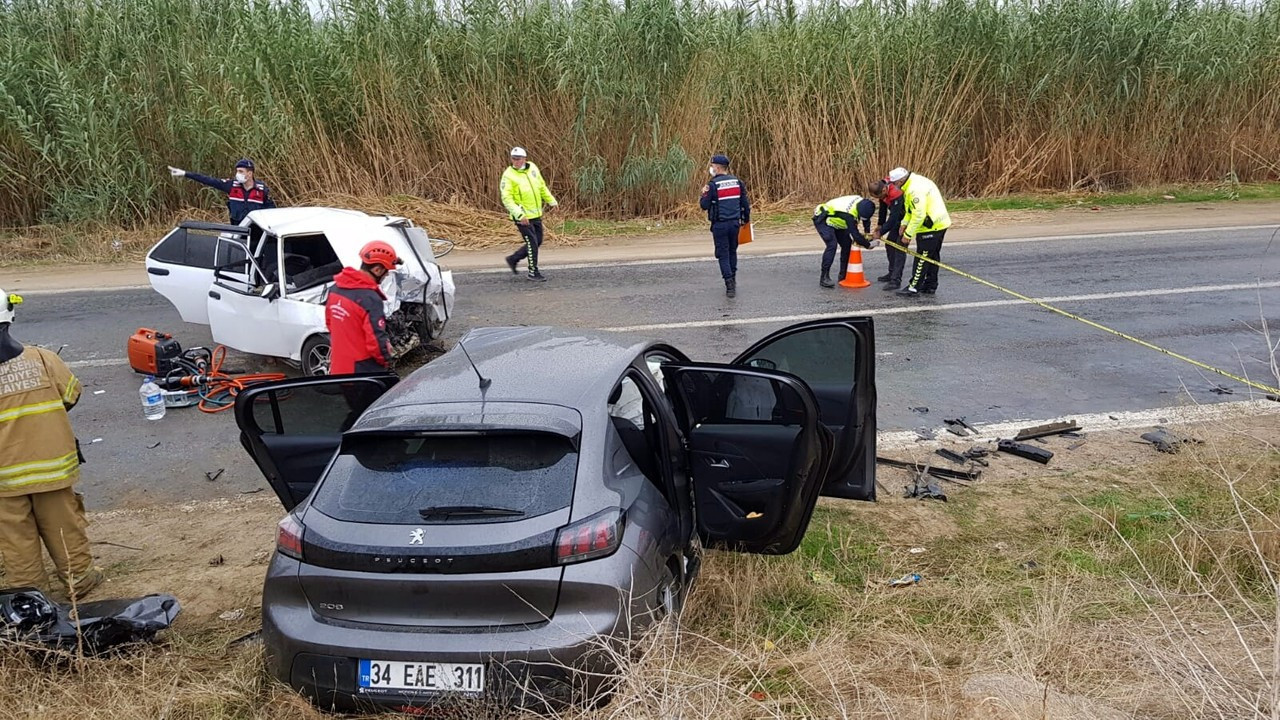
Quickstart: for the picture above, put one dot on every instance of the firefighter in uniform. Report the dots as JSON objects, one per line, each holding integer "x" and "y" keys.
{"x": 39, "y": 466}
{"x": 728, "y": 208}
{"x": 526, "y": 197}
{"x": 889, "y": 227}
{"x": 244, "y": 193}
{"x": 925, "y": 223}
{"x": 355, "y": 316}
{"x": 836, "y": 221}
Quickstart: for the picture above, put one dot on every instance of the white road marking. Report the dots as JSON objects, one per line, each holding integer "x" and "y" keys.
{"x": 1094, "y": 422}
{"x": 921, "y": 308}
{"x": 105, "y": 362}
{"x": 63, "y": 291}
{"x": 953, "y": 247}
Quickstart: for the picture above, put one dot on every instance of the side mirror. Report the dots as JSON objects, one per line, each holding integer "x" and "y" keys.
{"x": 762, "y": 364}
{"x": 271, "y": 292}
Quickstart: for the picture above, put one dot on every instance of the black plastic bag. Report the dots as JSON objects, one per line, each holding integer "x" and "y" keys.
{"x": 28, "y": 617}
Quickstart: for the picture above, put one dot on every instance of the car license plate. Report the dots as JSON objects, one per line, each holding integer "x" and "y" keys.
{"x": 421, "y": 676}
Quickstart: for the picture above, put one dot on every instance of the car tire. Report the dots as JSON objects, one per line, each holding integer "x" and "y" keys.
{"x": 315, "y": 355}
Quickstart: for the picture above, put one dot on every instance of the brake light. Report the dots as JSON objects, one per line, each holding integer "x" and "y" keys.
{"x": 289, "y": 537}
{"x": 596, "y": 536}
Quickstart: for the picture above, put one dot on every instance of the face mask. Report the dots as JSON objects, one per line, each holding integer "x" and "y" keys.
{"x": 711, "y": 171}
{"x": 240, "y": 177}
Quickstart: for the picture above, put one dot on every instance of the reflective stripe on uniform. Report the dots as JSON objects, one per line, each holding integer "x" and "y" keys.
{"x": 72, "y": 386}
{"x": 41, "y": 471}
{"x": 33, "y": 409}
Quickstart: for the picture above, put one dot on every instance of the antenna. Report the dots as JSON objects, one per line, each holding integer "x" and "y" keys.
{"x": 484, "y": 381}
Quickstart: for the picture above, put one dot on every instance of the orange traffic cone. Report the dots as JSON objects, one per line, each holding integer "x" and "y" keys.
{"x": 853, "y": 277}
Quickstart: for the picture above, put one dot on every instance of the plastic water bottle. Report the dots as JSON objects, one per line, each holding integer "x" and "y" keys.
{"x": 152, "y": 399}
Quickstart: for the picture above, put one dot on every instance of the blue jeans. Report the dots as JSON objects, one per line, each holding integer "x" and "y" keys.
{"x": 725, "y": 236}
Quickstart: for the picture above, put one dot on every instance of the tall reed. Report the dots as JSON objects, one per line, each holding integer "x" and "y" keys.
{"x": 620, "y": 102}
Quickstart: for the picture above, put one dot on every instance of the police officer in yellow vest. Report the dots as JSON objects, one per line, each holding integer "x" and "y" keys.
{"x": 836, "y": 221}
{"x": 525, "y": 196}
{"x": 39, "y": 464}
{"x": 925, "y": 224}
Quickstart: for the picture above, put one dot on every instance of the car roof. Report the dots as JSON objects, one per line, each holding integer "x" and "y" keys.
{"x": 555, "y": 366}
{"x": 307, "y": 220}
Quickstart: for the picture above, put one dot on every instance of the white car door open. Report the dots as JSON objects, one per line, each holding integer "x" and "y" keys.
{"x": 244, "y": 311}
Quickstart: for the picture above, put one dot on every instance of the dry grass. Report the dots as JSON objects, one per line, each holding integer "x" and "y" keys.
{"x": 1104, "y": 588}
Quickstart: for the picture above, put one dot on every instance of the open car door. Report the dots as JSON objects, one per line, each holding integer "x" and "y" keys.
{"x": 292, "y": 428}
{"x": 757, "y": 454}
{"x": 836, "y": 359}
{"x": 180, "y": 266}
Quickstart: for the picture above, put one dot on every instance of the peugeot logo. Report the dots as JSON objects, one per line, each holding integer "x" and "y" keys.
{"x": 416, "y": 537}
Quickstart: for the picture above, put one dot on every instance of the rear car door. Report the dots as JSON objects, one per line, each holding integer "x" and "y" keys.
{"x": 836, "y": 359}
{"x": 292, "y": 428}
{"x": 180, "y": 267}
{"x": 757, "y": 454}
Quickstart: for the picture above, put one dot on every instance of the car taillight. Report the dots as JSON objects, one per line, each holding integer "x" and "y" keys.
{"x": 289, "y": 537}
{"x": 594, "y": 537}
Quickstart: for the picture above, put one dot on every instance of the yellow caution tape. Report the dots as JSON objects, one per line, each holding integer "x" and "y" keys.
{"x": 1087, "y": 321}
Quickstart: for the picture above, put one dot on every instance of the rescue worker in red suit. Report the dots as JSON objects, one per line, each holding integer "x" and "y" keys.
{"x": 355, "y": 317}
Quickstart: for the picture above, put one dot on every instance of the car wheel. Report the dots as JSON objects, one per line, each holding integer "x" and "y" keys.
{"x": 315, "y": 355}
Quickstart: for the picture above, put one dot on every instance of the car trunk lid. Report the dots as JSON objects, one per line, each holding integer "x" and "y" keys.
{"x": 444, "y": 576}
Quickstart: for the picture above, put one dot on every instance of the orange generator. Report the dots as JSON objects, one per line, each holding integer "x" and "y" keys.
{"x": 154, "y": 353}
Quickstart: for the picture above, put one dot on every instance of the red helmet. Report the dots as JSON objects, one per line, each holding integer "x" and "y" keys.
{"x": 379, "y": 253}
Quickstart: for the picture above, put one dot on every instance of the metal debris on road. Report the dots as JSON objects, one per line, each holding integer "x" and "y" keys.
{"x": 951, "y": 455}
{"x": 1039, "y": 431}
{"x": 212, "y": 476}
{"x": 1028, "y": 452}
{"x": 1076, "y": 445}
{"x": 920, "y": 409}
{"x": 925, "y": 434}
{"x": 1220, "y": 390}
{"x": 957, "y": 426}
{"x": 154, "y": 445}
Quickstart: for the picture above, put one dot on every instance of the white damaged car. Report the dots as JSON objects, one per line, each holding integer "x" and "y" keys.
{"x": 261, "y": 286}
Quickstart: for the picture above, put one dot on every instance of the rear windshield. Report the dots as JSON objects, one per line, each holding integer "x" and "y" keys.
{"x": 453, "y": 478}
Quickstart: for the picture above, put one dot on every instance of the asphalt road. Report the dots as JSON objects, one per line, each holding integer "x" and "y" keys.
{"x": 968, "y": 351}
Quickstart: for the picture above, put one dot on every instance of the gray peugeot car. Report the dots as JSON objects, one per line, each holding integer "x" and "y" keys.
{"x": 497, "y": 525}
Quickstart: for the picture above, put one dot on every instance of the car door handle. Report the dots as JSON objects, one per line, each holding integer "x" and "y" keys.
{"x": 721, "y": 463}
{"x": 158, "y": 271}
{"x": 215, "y": 295}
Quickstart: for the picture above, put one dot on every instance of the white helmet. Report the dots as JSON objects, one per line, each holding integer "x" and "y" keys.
{"x": 8, "y": 303}
{"x": 518, "y": 151}
{"x": 897, "y": 174}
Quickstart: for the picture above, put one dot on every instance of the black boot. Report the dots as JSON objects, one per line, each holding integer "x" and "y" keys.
{"x": 826, "y": 280}
{"x": 730, "y": 287}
